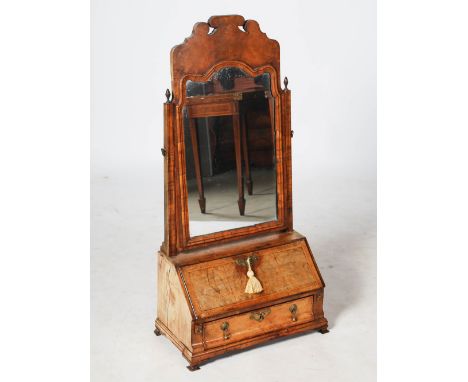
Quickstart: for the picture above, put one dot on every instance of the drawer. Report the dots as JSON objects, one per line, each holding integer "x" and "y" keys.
{"x": 257, "y": 322}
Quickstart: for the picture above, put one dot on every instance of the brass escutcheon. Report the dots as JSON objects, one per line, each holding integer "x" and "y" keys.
{"x": 243, "y": 261}
{"x": 260, "y": 316}
{"x": 224, "y": 327}
{"x": 293, "y": 310}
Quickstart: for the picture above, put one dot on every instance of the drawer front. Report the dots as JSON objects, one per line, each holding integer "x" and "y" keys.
{"x": 256, "y": 322}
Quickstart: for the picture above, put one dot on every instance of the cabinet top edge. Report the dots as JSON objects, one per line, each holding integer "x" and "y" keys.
{"x": 217, "y": 251}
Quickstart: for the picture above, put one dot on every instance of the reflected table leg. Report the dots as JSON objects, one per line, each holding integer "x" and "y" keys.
{"x": 237, "y": 146}
{"x": 196, "y": 157}
{"x": 245, "y": 150}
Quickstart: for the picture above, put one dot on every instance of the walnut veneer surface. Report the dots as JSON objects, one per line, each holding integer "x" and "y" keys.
{"x": 219, "y": 284}
{"x": 202, "y": 306}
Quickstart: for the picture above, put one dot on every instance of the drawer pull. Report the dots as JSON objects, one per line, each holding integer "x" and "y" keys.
{"x": 224, "y": 327}
{"x": 293, "y": 310}
{"x": 260, "y": 316}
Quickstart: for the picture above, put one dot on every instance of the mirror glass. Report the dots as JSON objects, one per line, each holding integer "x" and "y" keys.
{"x": 229, "y": 135}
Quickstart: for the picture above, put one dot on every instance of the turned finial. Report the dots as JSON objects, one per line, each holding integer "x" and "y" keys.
{"x": 285, "y": 83}
{"x": 168, "y": 96}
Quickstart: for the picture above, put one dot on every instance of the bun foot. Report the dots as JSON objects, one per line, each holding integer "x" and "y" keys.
{"x": 323, "y": 330}
{"x": 157, "y": 332}
{"x": 193, "y": 367}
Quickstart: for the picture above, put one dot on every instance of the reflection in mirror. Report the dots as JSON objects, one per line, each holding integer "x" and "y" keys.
{"x": 229, "y": 143}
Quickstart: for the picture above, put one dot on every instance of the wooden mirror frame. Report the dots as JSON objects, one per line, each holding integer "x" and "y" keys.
{"x": 200, "y": 55}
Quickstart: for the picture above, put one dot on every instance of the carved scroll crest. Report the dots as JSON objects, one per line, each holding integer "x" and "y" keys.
{"x": 223, "y": 38}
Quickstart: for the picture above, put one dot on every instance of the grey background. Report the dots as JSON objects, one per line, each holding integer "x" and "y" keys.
{"x": 328, "y": 52}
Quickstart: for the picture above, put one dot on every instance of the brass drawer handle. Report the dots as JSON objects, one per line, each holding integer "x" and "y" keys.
{"x": 293, "y": 310}
{"x": 260, "y": 316}
{"x": 224, "y": 327}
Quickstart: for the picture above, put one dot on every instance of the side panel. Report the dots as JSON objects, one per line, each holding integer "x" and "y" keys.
{"x": 173, "y": 310}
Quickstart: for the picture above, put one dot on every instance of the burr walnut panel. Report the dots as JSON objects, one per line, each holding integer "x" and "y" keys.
{"x": 215, "y": 286}
{"x": 227, "y": 42}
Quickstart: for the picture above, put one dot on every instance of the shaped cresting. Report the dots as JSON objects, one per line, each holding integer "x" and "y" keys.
{"x": 231, "y": 39}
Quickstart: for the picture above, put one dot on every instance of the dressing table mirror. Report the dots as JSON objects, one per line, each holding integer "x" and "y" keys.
{"x": 232, "y": 272}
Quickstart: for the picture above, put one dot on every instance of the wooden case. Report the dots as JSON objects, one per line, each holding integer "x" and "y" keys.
{"x": 202, "y": 307}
